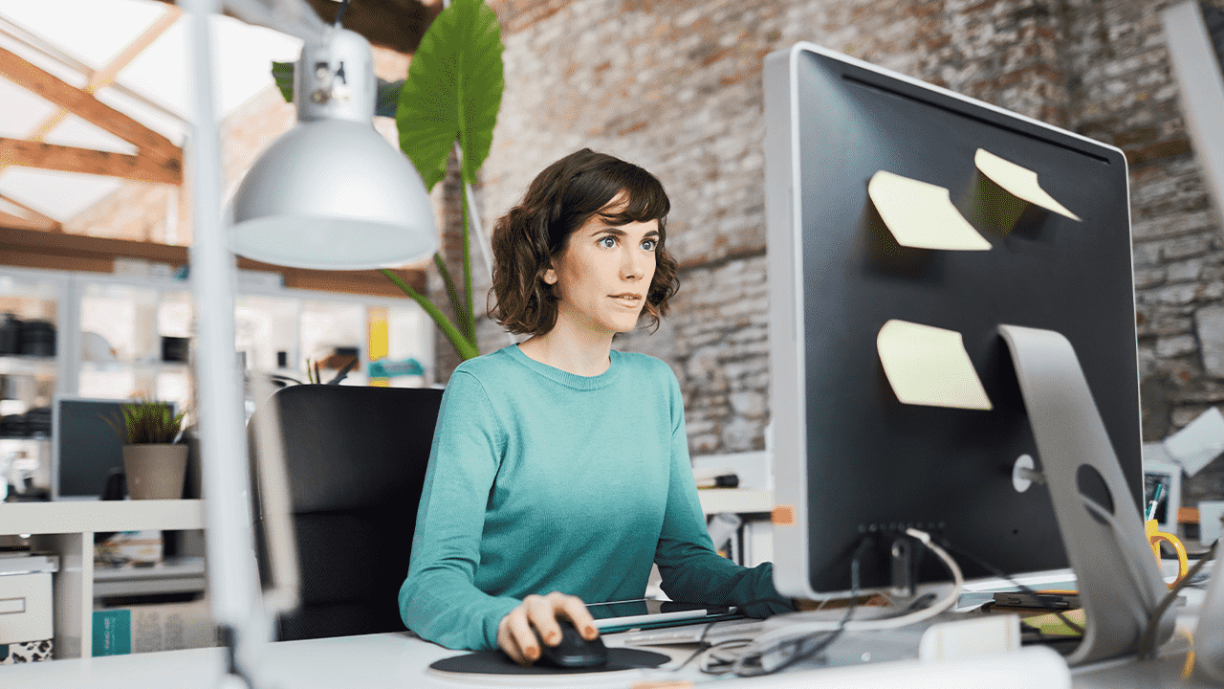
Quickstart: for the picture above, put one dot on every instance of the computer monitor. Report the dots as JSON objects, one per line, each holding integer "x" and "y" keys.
{"x": 85, "y": 448}
{"x": 852, "y": 459}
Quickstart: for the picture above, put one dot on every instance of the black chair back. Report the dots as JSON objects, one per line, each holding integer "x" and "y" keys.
{"x": 355, "y": 459}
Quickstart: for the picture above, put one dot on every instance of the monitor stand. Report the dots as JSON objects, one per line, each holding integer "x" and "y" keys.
{"x": 1119, "y": 580}
{"x": 1209, "y": 634}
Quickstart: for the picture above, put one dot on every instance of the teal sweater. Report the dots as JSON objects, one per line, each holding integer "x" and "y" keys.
{"x": 540, "y": 480}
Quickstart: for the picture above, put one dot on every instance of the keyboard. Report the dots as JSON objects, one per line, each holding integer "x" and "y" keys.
{"x": 734, "y": 630}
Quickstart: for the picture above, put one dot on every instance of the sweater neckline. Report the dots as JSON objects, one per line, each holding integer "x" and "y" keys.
{"x": 571, "y": 380}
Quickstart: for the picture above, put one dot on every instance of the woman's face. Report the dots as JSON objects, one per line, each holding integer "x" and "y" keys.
{"x": 602, "y": 277}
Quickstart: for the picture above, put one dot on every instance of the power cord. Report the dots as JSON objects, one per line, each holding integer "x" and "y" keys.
{"x": 781, "y": 648}
{"x": 998, "y": 573}
{"x": 1147, "y": 642}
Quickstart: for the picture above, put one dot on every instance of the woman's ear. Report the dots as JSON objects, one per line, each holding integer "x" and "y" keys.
{"x": 550, "y": 276}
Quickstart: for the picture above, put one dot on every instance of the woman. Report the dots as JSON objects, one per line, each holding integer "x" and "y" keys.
{"x": 560, "y": 466}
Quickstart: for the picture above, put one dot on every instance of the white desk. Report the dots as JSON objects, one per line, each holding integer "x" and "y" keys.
{"x": 398, "y": 661}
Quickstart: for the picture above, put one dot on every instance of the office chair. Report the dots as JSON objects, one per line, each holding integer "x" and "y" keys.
{"x": 355, "y": 458}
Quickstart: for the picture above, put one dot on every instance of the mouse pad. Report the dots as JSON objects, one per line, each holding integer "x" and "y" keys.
{"x": 498, "y": 663}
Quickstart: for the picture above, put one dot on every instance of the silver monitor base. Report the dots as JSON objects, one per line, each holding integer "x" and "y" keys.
{"x": 1119, "y": 581}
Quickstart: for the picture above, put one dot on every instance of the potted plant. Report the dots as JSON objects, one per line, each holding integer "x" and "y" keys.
{"x": 154, "y": 462}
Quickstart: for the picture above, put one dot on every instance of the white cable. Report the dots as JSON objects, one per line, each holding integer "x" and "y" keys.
{"x": 765, "y": 643}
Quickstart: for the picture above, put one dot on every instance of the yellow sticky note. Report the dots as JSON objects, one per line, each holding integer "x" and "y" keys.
{"x": 921, "y": 215}
{"x": 1020, "y": 181}
{"x": 1053, "y": 625}
{"x": 929, "y": 366}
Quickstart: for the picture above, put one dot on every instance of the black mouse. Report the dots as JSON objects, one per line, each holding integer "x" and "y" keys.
{"x": 573, "y": 651}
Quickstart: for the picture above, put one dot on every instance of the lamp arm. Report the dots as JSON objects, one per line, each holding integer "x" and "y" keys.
{"x": 237, "y": 606}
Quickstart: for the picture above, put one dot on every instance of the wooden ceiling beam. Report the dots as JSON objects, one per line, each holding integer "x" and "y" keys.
{"x": 85, "y": 106}
{"x": 48, "y": 222}
{"x": 61, "y": 251}
{"x": 18, "y": 222}
{"x": 105, "y": 76}
{"x": 87, "y": 161}
{"x": 395, "y": 24}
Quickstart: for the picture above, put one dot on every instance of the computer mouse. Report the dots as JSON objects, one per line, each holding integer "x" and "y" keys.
{"x": 573, "y": 651}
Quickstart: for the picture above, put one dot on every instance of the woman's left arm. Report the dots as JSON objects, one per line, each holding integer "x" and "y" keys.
{"x": 691, "y": 570}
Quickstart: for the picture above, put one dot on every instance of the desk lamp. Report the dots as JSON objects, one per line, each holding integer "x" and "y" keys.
{"x": 325, "y": 176}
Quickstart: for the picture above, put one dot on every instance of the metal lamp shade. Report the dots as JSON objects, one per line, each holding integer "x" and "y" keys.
{"x": 333, "y": 195}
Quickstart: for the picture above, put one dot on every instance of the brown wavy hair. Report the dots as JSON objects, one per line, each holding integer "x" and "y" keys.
{"x": 559, "y": 201}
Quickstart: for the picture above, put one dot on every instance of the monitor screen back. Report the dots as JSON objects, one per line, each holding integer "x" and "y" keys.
{"x": 871, "y": 461}
{"x": 86, "y": 447}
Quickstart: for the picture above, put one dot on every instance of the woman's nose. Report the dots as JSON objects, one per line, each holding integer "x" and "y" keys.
{"x": 631, "y": 266}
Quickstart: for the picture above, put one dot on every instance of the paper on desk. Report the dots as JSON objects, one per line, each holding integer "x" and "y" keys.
{"x": 1019, "y": 180}
{"x": 921, "y": 215}
{"x": 1201, "y": 441}
{"x": 929, "y": 366}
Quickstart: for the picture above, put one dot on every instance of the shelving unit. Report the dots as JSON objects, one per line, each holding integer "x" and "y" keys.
{"x": 180, "y": 574}
{"x": 67, "y": 529}
{"x": 737, "y": 500}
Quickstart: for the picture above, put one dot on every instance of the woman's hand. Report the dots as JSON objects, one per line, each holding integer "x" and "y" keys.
{"x": 514, "y": 631}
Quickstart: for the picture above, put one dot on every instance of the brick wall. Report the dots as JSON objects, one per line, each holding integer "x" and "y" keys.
{"x": 675, "y": 86}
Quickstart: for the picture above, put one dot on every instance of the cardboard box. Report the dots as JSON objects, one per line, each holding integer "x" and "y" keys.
{"x": 144, "y": 628}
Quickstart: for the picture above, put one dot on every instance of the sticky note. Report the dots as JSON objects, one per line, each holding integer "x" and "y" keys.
{"x": 1053, "y": 625}
{"x": 921, "y": 215}
{"x": 1019, "y": 180}
{"x": 929, "y": 366}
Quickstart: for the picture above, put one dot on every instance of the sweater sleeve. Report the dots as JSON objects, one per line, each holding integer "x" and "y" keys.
{"x": 439, "y": 599}
{"x": 691, "y": 570}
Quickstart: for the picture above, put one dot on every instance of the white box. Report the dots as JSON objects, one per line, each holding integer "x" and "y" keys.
{"x": 1210, "y": 513}
{"x": 25, "y": 607}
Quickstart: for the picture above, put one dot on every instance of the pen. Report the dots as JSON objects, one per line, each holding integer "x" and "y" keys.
{"x": 1151, "y": 510}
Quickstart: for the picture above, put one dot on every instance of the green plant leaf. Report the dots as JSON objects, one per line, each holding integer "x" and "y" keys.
{"x": 148, "y": 421}
{"x": 466, "y": 349}
{"x": 454, "y": 90}
{"x": 282, "y": 72}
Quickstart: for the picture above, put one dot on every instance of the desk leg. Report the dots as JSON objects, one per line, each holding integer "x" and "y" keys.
{"x": 72, "y": 591}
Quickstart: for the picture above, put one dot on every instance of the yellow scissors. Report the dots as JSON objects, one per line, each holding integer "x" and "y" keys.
{"x": 1155, "y": 536}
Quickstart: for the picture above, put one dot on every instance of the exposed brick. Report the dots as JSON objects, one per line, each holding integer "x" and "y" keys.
{"x": 679, "y": 93}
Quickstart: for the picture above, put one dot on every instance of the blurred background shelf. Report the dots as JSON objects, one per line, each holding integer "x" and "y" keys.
{"x": 21, "y": 365}
{"x": 67, "y": 529}
{"x": 183, "y": 574}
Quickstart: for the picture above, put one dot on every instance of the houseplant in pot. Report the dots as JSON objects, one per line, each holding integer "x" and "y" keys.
{"x": 155, "y": 464}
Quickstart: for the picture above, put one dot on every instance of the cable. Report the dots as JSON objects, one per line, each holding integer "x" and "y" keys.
{"x": 996, "y": 572}
{"x": 896, "y": 622}
{"x": 780, "y": 648}
{"x": 1151, "y": 600}
{"x": 1147, "y": 642}
{"x": 340, "y": 13}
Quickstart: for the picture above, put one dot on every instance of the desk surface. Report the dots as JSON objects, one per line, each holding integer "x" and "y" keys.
{"x": 401, "y": 661}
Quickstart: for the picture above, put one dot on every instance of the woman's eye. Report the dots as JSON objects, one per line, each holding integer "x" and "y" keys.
{"x": 609, "y": 242}
{"x": 649, "y": 244}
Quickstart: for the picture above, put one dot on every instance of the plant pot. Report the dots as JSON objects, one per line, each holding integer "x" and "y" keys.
{"x": 155, "y": 472}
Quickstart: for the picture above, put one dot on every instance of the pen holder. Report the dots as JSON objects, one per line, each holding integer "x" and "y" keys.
{"x": 1155, "y": 536}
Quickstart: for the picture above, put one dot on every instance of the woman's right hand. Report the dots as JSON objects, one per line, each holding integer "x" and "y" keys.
{"x": 514, "y": 631}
